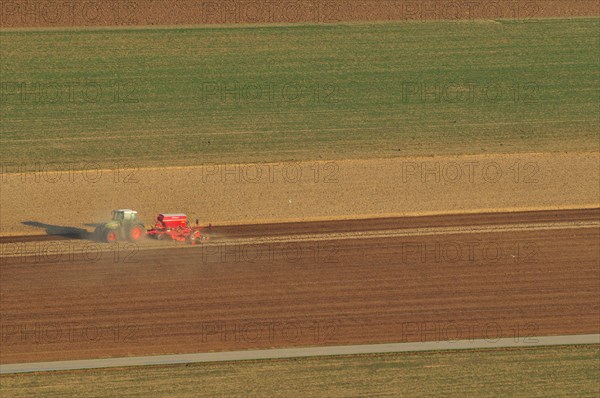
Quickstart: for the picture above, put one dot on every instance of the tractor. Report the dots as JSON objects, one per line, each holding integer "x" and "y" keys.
{"x": 123, "y": 226}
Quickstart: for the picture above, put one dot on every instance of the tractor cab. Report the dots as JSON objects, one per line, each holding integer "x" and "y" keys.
{"x": 124, "y": 215}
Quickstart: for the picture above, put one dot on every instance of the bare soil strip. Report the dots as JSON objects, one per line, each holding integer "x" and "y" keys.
{"x": 576, "y": 217}
{"x": 55, "y": 247}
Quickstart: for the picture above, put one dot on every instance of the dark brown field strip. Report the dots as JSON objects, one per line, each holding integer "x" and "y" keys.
{"x": 357, "y": 291}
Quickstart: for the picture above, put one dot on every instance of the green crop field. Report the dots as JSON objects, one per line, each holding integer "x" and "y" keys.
{"x": 538, "y": 372}
{"x": 223, "y": 94}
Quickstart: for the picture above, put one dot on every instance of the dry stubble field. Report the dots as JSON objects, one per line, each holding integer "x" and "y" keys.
{"x": 558, "y": 371}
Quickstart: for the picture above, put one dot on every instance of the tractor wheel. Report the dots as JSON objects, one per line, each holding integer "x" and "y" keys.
{"x": 159, "y": 236}
{"x": 111, "y": 236}
{"x": 135, "y": 233}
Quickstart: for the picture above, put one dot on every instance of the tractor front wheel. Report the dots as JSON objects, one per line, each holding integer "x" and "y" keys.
{"x": 111, "y": 236}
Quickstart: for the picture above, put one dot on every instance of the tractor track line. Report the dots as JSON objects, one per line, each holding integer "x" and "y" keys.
{"x": 417, "y": 232}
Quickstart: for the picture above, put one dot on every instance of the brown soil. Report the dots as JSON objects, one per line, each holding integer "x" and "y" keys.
{"x": 517, "y": 284}
{"x": 49, "y": 13}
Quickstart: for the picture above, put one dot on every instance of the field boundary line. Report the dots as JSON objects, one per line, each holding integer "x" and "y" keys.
{"x": 303, "y": 352}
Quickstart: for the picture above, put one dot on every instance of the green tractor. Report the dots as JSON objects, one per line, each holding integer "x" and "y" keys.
{"x": 123, "y": 226}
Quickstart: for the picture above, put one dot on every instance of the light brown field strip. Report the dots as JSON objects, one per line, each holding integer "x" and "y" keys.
{"x": 340, "y": 190}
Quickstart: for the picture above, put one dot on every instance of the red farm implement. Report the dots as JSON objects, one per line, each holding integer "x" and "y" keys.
{"x": 176, "y": 227}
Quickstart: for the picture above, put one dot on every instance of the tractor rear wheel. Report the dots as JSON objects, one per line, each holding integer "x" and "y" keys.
{"x": 135, "y": 233}
{"x": 111, "y": 236}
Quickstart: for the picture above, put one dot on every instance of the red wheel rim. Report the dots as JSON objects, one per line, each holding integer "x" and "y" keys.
{"x": 136, "y": 233}
{"x": 111, "y": 237}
